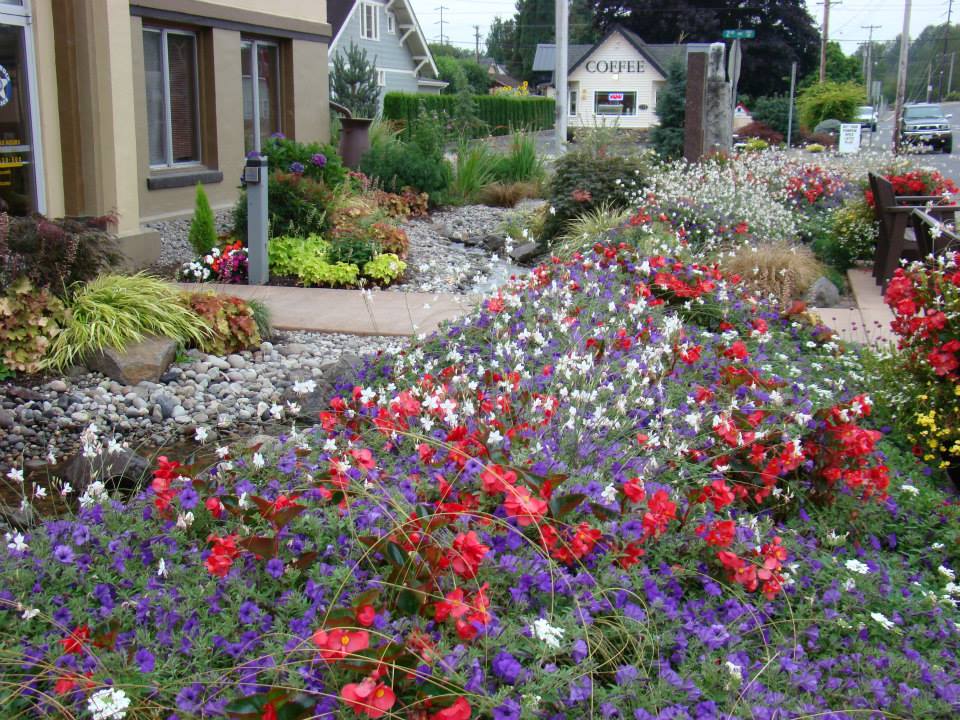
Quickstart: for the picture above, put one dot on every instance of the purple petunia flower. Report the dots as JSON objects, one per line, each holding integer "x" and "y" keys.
{"x": 248, "y": 613}
{"x": 319, "y": 159}
{"x": 626, "y": 674}
{"x": 188, "y": 699}
{"x": 81, "y": 535}
{"x": 145, "y": 660}
{"x": 62, "y": 553}
{"x": 275, "y": 568}
{"x": 506, "y": 667}
{"x": 189, "y": 498}
{"x": 507, "y": 710}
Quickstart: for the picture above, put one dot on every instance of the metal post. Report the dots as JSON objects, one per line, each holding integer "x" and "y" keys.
{"x": 560, "y": 73}
{"x": 901, "y": 76}
{"x": 255, "y": 178}
{"x": 793, "y": 82}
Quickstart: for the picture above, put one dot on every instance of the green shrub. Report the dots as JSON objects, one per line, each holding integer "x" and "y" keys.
{"x": 30, "y": 319}
{"x": 319, "y": 161}
{"x": 352, "y": 247}
{"x": 667, "y": 136}
{"x": 502, "y": 114}
{"x": 756, "y": 145}
{"x": 475, "y": 169}
{"x": 385, "y": 268}
{"x": 261, "y": 315}
{"x": 814, "y": 148}
{"x": 203, "y": 227}
{"x": 403, "y": 164}
{"x": 287, "y": 254}
{"x": 231, "y": 320}
{"x": 827, "y": 100}
{"x": 353, "y": 81}
{"x": 297, "y": 206}
{"x": 521, "y": 163}
{"x": 55, "y": 254}
{"x": 117, "y": 310}
{"x": 851, "y": 236}
{"x": 585, "y": 181}
{"x": 774, "y": 112}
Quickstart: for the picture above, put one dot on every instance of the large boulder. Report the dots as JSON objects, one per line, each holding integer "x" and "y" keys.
{"x": 525, "y": 253}
{"x": 146, "y": 360}
{"x": 344, "y": 369}
{"x": 823, "y": 293}
{"x": 123, "y": 469}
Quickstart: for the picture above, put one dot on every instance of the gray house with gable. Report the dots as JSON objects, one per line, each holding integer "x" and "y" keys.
{"x": 390, "y": 33}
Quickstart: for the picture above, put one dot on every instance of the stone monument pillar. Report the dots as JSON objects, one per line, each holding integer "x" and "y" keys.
{"x": 708, "y": 126}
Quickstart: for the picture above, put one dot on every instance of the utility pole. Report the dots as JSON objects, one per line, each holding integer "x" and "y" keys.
{"x": 560, "y": 72}
{"x": 476, "y": 34}
{"x": 901, "y": 75}
{"x": 441, "y": 22}
{"x": 793, "y": 83}
{"x": 825, "y": 37}
{"x": 929, "y": 79}
{"x": 950, "y": 76}
{"x": 943, "y": 54}
{"x": 869, "y": 72}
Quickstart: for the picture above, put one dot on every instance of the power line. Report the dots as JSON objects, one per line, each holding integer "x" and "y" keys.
{"x": 441, "y": 22}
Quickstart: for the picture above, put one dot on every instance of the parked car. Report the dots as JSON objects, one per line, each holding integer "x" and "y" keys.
{"x": 925, "y": 124}
{"x": 867, "y": 117}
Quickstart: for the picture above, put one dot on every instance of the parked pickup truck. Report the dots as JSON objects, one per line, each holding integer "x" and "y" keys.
{"x": 925, "y": 124}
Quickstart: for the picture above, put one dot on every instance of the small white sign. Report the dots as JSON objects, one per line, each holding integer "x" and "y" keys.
{"x": 849, "y": 138}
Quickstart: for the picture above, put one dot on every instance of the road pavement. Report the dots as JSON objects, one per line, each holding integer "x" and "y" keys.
{"x": 949, "y": 165}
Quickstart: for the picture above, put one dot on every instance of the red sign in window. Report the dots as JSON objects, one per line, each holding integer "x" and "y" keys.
{"x": 615, "y": 97}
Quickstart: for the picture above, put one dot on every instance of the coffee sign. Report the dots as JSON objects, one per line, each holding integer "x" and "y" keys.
{"x": 615, "y": 66}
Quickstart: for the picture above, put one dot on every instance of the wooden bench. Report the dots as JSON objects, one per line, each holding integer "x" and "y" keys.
{"x": 897, "y": 235}
{"x": 933, "y": 238}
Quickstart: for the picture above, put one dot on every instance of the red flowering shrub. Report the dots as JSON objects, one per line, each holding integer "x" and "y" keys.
{"x": 919, "y": 182}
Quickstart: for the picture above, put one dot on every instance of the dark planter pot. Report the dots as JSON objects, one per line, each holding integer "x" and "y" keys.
{"x": 953, "y": 472}
{"x": 354, "y": 140}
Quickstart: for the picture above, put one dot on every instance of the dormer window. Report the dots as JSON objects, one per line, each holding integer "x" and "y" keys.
{"x": 391, "y": 23}
{"x": 369, "y": 25}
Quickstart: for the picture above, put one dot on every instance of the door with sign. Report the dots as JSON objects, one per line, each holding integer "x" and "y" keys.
{"x": 17, "y": 184}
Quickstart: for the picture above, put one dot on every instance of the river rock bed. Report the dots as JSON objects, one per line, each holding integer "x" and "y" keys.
{"x": 226, "y": 396}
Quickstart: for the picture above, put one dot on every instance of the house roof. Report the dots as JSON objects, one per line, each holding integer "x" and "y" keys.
{"x": 339, "y": 11}
{"x": 658, "y": 55}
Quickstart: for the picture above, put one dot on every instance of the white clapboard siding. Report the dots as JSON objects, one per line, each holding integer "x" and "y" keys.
{"x": 616, "y": 49}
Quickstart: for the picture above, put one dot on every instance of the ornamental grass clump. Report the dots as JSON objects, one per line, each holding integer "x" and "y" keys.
{"x": 115, "y": 311}
{"x": 624, "y": 487}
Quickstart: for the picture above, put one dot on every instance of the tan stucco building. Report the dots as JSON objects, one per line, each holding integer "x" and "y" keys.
{"x": 122, "y": 106}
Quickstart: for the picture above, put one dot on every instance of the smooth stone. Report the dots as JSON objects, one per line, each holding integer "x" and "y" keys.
{"x": 526, "y": 252}
{"x": 182, "y": 419}
{"x": 236, "y": 361}
{"x": 58, "y": 386}
{"x": 294, "y": 349}
{"x": 823, "y": 293}
{"x": 146, "y": 360}
{"x": 166, "y": 405}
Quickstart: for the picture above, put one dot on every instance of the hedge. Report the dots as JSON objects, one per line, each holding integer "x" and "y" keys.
{"x": 501, "y": 114}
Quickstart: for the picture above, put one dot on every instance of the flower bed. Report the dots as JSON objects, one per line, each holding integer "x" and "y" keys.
{"x": 621, "y": 489}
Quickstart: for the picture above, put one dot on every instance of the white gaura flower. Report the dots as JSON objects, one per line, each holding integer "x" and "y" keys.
{"x": 304, "y": 387}
{"x": 258, "y": 461}
{"x": 947, "y": 573}
{"x": 883, "y": 620}
{"x": 223, "y": 451}
{"x": 858, "y": 567}
{"x": 108, "y": 704}
{"x": 28, "y": 613}
{"x": 39, "y": 492}
{"x": 162, "y": 568}
{"x": 200, "y": 435}
{"x": 66, "y": 490}
{"x": 550, "y": 635}
{"x": 16, "y": 542}
{"x": 15, "y": 474}
{"x": 95, "y": 492}
{"x": 609, "y": 494}
{"x": 909, "y": 489}
{"x": 184, "y": 520}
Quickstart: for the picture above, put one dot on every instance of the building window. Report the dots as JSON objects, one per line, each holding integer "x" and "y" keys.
{"x": 260, "y": 70}
{"x": 369, "y": 25}
{"x": 572, "y": 92}
{"x": 615, "y": 103}
{"x": 173, "y": 100}
{"x": 391, "y": 23}
{"x": 381, "y": 78}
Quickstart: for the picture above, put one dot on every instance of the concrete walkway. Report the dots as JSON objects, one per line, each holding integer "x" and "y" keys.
{"x": 869, "y": 322}
{"x": 349, "y": 311}
{"x": 414, "y": 313}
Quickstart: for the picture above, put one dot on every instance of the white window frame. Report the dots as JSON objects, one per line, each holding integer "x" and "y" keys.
{"x": 607, "y": 92}
{"x": 391, "y": 23}
{"x": 255, "y": 85}
{"x": 381, "y": 78}
{"x": 573, "y": 99}
{"x": 369, "y": 13}
{"x": 165, "y": 73}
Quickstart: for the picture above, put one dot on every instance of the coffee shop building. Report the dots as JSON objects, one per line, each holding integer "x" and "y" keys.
{"x": 120, "y": 107}
{"x": 615, "y": 80}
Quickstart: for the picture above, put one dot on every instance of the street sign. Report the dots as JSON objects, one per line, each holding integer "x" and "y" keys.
{"x": 739, "y": 34}
{"x": 849, "y": 138}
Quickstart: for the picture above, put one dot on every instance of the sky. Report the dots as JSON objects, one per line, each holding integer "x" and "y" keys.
{"x": 846, "y": 19}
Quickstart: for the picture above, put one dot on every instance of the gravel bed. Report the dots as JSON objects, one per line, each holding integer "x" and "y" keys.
{"x": 226, "y": 396}
{"x": 175, "y": 248}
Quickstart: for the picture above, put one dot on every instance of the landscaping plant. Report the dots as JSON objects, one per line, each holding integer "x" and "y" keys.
{"x": 297, "y": 205}
{"x": 317, "y": 161}
{"x": 623, "y": 488}
{"x": 226, "y": 265}
{"x": 231, "y": 321}
{"x": 115, "y": 311}
{"x": 353, "y": 81}
{"x": 203, "y": 227}
{"x": 30, "y": 318}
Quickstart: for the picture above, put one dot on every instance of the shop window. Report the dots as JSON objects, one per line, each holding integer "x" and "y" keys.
{"x": 173, "y": 100}
{"x": 369, "y": 21}
{"x": 615, "y": 103}
{"x": 260, "y": 71}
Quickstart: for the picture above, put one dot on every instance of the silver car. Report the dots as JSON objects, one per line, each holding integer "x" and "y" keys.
{"x": 867, "y": 117}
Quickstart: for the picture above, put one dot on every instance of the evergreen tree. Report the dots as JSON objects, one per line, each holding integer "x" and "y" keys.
{"x": 203, "y": 227}
{"x": 353, "y": 82}
{"x": 667, "y": 137}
